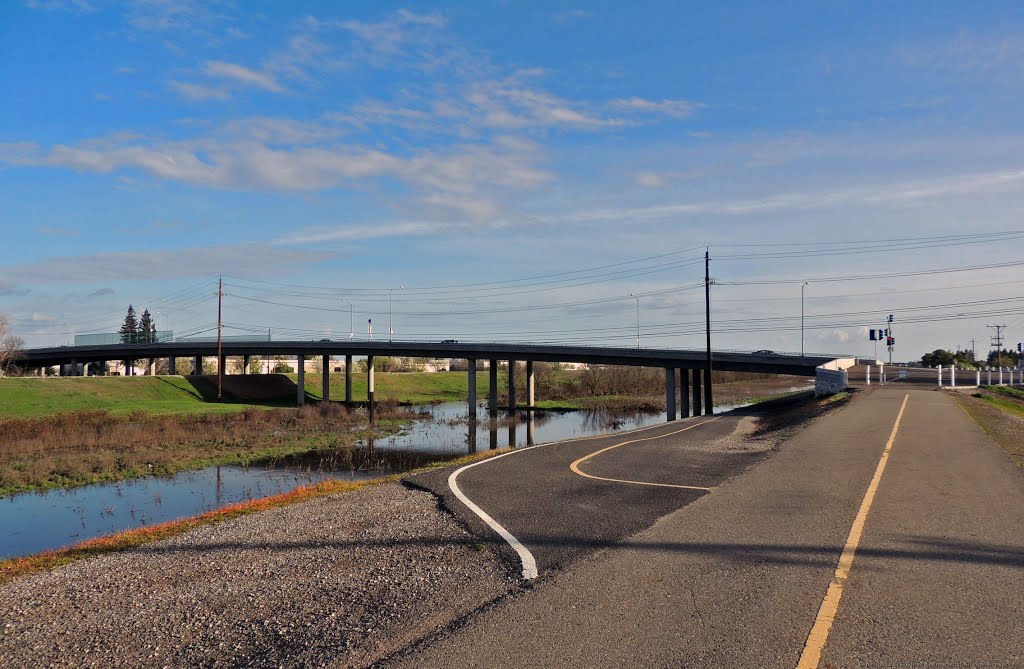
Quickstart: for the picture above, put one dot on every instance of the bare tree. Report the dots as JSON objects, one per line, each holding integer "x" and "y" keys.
{"x": 10, "y": 346}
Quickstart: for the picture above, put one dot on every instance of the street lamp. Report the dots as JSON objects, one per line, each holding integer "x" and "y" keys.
{"x": 802, "y": 318}
{"x": 637, "y": 318}
{"x": 391, "y": 329}
{"x": 351, "y": 330}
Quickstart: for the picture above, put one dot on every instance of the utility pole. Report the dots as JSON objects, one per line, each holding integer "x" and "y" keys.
{"x": 220, "y": 328}
{"x": 997, "y": 341}
{"x": 709, "y": 407}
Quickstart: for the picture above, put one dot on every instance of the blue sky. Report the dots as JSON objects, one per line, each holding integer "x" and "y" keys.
{"x": 315, "y": 152}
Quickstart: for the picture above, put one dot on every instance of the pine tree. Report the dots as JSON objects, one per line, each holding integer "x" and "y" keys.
{"x": 130, "y": 329}
{"x": 147, "y": 328}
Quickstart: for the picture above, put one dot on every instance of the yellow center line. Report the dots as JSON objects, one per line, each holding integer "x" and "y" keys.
{"x": 575, "y": 466}
{"x": 811, "y": 655}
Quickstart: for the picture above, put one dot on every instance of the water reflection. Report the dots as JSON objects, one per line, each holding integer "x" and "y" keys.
{"x": 37, "y": 522}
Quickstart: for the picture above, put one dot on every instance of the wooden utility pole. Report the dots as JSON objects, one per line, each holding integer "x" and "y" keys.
{"x": 220, "y": 327}
{"x": 708, "y": 406}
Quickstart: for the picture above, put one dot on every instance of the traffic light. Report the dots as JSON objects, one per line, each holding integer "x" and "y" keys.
{"x": 1018, "y": 348}
{"x": 889, "y": 341}
{"x": 890, "y": 318}
{"x": 871, "y": 335}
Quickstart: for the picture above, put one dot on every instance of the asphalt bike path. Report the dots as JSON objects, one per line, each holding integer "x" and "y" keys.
{"x": 742, "y": 575}
{"x": 560, "y": 514}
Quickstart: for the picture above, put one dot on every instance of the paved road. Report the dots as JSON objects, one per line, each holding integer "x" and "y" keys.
{"x": 560, "y": 515}
{"x": 737, "y": 577}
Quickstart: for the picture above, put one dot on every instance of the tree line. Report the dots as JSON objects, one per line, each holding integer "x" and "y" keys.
{"x": 965, "y": 359}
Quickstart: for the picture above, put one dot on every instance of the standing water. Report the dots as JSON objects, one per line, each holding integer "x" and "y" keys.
{"x": 35, "y": 522}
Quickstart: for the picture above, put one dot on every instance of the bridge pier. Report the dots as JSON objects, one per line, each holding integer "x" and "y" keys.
{"x": 222, "y": 367}
{"x": 530, "y": 396}
{"x": 197, "y": 365}
{"x": 152, "y": 366}
{"x": 492, "y": 395}
{"x": 300, "y": 381}
{"x": 246, "y": 359}
{"x": 369, "y": 386}
{"x": 172, "y": 365}
{"x": 684, "y": 393}
{"x": 471, "y": 370}
{"x": 697, "y": 394}
{"x": 325, "y": 389}
{"x": 348, "y": 378}
{"x": 511, "y": 385}
{"x": 709, "y": 404}
{"x": 670, "y": 393}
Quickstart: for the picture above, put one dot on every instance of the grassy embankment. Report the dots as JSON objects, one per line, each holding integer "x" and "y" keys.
{"x": 999, "y": 410}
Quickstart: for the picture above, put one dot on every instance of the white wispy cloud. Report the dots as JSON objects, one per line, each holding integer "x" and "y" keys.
{"x": 74, "y": 6}
{"x": 907, "y": 192}
{"x": 668, "y": 108}
{"x": 198, "y": 91}
{"x": 219, "y": 69}
{"x": 165, "y": 264}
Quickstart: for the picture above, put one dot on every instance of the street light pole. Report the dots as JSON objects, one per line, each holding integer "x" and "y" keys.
{"x": 391, "y": 329}
{"x": 637, "y": 318}
{"x": 351, "y": 330}
{"x": 802, "y": 318}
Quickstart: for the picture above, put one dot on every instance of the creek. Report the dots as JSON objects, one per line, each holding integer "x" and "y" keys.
{"x": 35, "y": 522}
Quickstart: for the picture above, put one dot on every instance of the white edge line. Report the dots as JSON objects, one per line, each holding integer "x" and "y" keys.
{"x": 529, "y": 562}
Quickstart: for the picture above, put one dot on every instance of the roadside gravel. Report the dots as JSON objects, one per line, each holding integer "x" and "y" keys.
{"x": 334, "y": 582}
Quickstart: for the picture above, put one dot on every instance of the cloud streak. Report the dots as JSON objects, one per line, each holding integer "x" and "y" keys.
{"x": 164, "y": 265}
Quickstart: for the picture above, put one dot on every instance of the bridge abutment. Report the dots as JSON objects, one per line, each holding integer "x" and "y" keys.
{"x": 300, "y": 380}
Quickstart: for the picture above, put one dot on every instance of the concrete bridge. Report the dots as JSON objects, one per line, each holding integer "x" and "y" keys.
{"x": 687, "y": 368}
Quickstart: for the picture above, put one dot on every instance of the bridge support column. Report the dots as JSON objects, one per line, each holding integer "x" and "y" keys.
{"x": 73, "y": 367}
{"x": 471, "y": 371}
{"x": 246, "y": 359}
{"x": 369, "y": 386}
{"x": 300, "y": 380}
{"x": 511, "y": 386}
{"x": 222, "y": 367}
{"x": 530, "y": 385}
{"x": 197, "y": 365}
{"x": 152, "y": 366}
{"x": 172, "y": 365}
{"x": 709, "y": 404}
{"x": 696, "y": 393}
{"x": 325, "y": 389}
{"x": 348, "y": 378}
{"x": 684, "y": 393}
{"x": 670, "y": 393}
{"x": 492, "y": 393}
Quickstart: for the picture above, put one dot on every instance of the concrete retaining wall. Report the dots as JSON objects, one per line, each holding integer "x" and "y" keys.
{"x": 830, "y": 381}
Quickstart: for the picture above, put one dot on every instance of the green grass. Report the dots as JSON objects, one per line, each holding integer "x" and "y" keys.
{"x": 30, "y": 397}
{"x": 1008, "y": 406}
{"x": 411, "y": 387}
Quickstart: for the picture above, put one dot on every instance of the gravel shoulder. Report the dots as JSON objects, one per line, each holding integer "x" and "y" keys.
{"x": 339, "y": 582}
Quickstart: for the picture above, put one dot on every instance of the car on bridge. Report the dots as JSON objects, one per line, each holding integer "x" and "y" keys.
{"x": 765, "y": 351}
